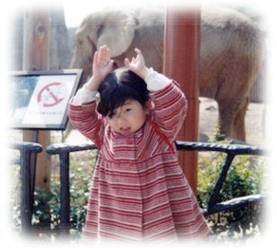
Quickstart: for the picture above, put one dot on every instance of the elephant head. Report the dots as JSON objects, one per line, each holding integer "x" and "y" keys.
{"x": 116, "y": 29}
{"x": 121, "y": 31}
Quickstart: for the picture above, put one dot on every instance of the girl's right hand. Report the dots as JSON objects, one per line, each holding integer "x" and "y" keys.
{"x": 101, "y": 67}
{"x": 102, "y": 63}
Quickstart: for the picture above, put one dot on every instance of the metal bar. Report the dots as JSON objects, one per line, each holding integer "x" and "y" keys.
{"x": 64, "y": 192}
{"x": 214, "y": 196}
{"x": 28, "y": 151}
{"x": 234, "y": 203}
{"x": 25, "y": 208}
{"x": 62, "y": 147}
{"x": 214, "y": 147}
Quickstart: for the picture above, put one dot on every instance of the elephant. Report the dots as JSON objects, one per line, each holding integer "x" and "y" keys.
{"x": 230, "y": 53}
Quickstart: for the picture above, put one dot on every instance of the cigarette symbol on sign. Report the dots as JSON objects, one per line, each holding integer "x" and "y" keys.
{"x": 51, "y": 94}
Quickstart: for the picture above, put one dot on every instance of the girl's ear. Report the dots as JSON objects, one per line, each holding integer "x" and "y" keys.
{"x": 149, "y": 106}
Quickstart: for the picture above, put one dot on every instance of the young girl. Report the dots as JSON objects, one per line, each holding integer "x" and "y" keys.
{"x": 139, "y": 191}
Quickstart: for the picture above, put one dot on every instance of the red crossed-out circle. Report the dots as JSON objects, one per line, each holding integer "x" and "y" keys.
{"x": 52, "y": 98}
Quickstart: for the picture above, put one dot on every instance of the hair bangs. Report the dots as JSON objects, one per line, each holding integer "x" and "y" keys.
{"x": 119, "y": 87}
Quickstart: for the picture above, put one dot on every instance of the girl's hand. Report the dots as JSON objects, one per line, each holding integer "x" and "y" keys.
{"x": 101, "y": 67}
{"x": 137, "y": 64}
{"x": 102, "y": 63}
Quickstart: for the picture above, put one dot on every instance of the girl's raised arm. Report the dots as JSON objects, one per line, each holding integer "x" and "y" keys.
{"x": 101, "y": 67}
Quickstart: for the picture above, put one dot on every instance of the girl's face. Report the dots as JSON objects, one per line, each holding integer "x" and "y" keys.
{"x": 128, "y": 118}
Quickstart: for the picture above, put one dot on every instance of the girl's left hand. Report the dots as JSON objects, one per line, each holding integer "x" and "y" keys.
{"x": 137, "y": 64}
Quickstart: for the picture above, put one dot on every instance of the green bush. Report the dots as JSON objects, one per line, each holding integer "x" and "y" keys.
{"x": 245, "y": 177}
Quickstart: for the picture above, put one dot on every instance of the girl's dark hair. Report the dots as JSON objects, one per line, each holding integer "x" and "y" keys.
{"x": 118, "y": 87}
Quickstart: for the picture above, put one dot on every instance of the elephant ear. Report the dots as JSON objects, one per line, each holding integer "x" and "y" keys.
{"x": 117, "y": 32}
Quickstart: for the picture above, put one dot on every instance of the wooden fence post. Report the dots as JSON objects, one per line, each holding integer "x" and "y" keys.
{"x": 36, "y": 57}
{"x": 181, "y": 61}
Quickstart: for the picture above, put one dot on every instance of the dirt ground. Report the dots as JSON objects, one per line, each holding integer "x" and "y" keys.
{"x": 254, "y": 121}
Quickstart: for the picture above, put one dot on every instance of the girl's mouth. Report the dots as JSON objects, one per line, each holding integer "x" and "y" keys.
{"x": 125, "y": 130}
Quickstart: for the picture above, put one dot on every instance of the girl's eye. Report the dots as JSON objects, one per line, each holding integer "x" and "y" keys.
{"x": 128, "y": 109}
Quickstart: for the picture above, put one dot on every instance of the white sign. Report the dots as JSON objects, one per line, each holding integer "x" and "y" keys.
{"x": 41, "y": 101}
{"x": 49, "y": 100}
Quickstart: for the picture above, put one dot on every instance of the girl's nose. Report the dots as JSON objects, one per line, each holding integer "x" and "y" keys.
{"x": 120, "y": 117}
{"x": 120, "y": 120}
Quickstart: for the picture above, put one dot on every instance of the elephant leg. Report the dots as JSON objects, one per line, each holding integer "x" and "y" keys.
{"x": 226, "y": 116}
{"x": 239, "y": 122}
{"x": 232, "y": 119}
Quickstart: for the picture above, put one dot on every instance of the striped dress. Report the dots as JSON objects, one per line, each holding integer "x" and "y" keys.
{"x": 139, "y": 191}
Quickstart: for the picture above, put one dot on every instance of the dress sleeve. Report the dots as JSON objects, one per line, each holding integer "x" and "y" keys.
{"x": 85, "y": 118}
{"x": 84, "y": 95}
{"x": 156, "y": 81}
{"x": 170, "y": 109}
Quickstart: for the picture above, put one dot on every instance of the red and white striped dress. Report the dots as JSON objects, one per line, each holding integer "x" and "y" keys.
{"x": 139, "y": 191}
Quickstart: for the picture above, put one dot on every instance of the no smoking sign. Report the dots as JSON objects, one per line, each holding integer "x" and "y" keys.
{"x": 48, "y": 99}
{"x": 51, "y": 94}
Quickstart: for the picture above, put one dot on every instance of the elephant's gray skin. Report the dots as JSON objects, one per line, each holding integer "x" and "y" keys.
{"x": 230, "y": 53}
